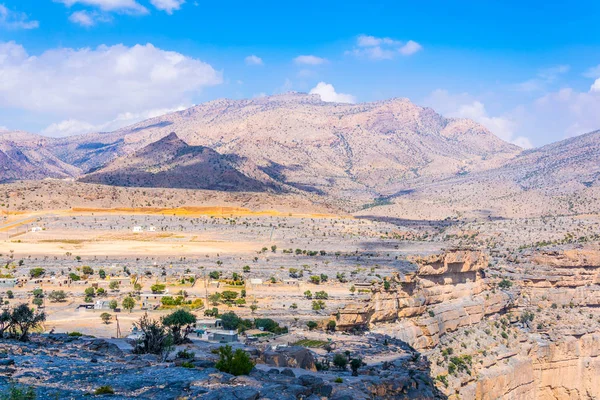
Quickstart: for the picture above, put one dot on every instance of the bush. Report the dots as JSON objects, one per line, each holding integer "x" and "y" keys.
{"x": 74, "y": 277}
{"x": 311, "y": 325}
{"x": 235, "y": 363}
{"x": 505, "y": 284}
{"x": 338, "y": 380}
{"x": 155, "y": 339}
{"x": 188, "y": 355}
{"x": 19, "y": 393}
{"x": 187, "y": 364}
{"x": 104, "y": 390}
{"x": 340, "y": 361}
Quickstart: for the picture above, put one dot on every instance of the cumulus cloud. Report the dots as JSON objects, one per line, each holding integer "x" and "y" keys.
{"x": 97, "y": 85}
{"x": 253, "y": 60}
{"x": 167, "y": 6}
{"x": 464, "y": 105}
{"x": 127, "y": 6}
{"x": 328, "y": 94}
{"x": 309, "y": 60}
{"x": 376, "y": 48}
{"x": 595, "y": 86}
{"x": 15, "y": 20}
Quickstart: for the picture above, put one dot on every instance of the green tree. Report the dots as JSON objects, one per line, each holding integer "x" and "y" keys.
{"x": 355, "y": 364}
{"x": 113, "y": 304}
{"x": 158, "y": 288}
{"x": 229, "y": 295}
{"x": 308, "y": 294}
{"x": 179, "y": 323}
{"x": 36, "y": 272}
{"x": 87, "y": 270}
{"x": 235, "y": 363}
{"x": 89, "y": 292}
{"x": 105, "y": 317}
{"x": 25, "y": 319}
{"x": 113, "y": 285}
{"x": 230, "y": 321}
{"x": 38, "y": 301}
{"x": 102, "y": 274}
{"x": 57, "y": 296}
{"x": 128, "y": 303}
{"x": 311, "y": 325}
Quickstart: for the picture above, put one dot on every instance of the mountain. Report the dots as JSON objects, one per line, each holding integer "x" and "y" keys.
{"x": 344, "y": 150}
{"x": 26, "y": 156}
{"x": 172, "y": 163}
{"x": 561, "y": 178}
{"x": 574, "y": 161}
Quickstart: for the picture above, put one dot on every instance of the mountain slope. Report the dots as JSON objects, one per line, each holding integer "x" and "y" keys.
{"x": 345, "y": 150}
{"x": 26, "y": 156}
{"x": 172, "y": 163}
{"x": 557, "y": 179}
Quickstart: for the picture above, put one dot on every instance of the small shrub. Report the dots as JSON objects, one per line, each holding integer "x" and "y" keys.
{"x": 106, "y": 389}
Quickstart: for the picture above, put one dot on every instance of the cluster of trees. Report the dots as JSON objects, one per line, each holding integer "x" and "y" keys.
{"x": 160, "y": 336}
{"x": 231, "y": 321}
{"x": 19, "y": 321}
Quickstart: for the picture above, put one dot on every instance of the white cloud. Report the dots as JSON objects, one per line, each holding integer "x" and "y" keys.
{"x": 127, "y": 6}
{"x": 543, "y": 78}
{"x": 410, "y": 48}
{"x": 328, "y": 94}
{"x": 464, "y": 105}
{"x": 593, "y": 72}
{"x": 95, "y": 85}
{"x": 309, "y": 60}
{"x": 372, "y": 41}
{"x": 253, "y": 60}
{"x": 75, "y": 127}
{"x": 88, "y": 19}
{"x": 82, "y": 18}
{"x": 375, "y": 48}
{"x": 15, "y": 20}
{"x": 595, "y": 86}
{"x": 567, "y": 112}
{"x": 167, "y": 6}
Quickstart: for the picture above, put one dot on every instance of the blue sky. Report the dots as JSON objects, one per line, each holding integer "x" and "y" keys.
{"x": 531, "y": 73}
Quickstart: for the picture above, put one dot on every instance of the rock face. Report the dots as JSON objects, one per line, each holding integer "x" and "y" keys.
{"x": 26, "y": 156}
{"x": 291, "y": 357}
{"x": 172, "y": 163}
{"x": 444, "y": 294}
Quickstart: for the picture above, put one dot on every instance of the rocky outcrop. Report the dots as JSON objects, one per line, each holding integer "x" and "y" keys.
{"x": 444, "y": 294}
{"x": 291, "y": 357}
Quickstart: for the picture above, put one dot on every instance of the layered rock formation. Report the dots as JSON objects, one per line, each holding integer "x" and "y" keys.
{"x": 444, "y": 294}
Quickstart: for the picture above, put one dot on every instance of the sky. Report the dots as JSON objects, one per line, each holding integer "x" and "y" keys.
{"x": 528, "y": 71}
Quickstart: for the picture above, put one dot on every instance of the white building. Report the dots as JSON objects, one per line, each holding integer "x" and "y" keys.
{"x": 152, "y": 229}
{"x": 137, "y": 229}
{"x": 36, "y": 229}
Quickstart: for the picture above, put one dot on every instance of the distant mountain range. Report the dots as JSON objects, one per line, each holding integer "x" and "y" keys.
{"x": 296, "y": 142}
